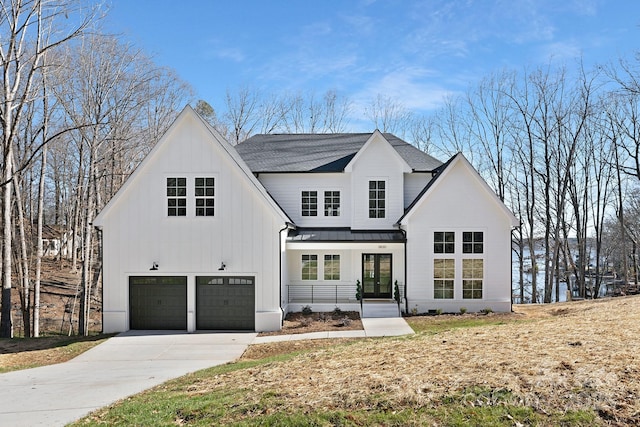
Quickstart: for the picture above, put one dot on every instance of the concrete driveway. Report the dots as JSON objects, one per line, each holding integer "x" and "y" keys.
{"x": 124, "y": 365}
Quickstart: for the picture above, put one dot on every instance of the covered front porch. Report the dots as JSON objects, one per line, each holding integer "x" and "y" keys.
{"x": 326, "y": 268}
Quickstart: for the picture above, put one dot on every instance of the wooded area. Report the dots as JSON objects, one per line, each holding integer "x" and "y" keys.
{"x": 80, "y": 109}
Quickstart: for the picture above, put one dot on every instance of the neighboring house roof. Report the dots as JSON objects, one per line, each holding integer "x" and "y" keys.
{"x": 440, "y": 173}
{"x": 320, "y": 152}
{"x": 215, "y": 137}
{"x": 344, "y": 235}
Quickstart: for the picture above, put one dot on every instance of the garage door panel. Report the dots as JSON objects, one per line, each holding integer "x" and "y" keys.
{"x": 225, "y": 303}
{"x": 158, "y": 302}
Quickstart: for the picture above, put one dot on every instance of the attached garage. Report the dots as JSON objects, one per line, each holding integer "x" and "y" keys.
{"x": 158, "y": 302}
{"x": 225, "y": 303}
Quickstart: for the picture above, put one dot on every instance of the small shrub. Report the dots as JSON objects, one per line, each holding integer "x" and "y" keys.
{"x": 438, "y": 311}
{"x": 345, "y": 321}
{"x": 306, "y": 310}
{"x": 463, "y": 310}
{"x": 414, "y": 311}
{"x": 306, "y": 321}
{"x": 487, "y": 310}
{"x": 322, "y": 317}
{"x": 337, "y": 312}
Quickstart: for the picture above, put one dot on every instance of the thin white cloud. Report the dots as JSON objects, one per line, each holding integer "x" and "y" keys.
{"x": 412, "y": 87}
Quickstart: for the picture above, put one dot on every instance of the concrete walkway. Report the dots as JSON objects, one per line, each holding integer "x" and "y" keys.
{"x": 132, "y": 362}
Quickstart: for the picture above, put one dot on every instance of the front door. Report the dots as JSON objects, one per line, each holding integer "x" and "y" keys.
{"x": 376, "y": 275}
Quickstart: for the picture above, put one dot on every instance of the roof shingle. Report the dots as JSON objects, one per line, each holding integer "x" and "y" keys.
{"x": 320, "y": 152}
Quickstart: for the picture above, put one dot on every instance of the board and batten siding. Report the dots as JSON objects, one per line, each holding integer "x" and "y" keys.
{"x": 414, "y": 183}
{"x": 459, "y": 203}
{"x": 287, "y": 190}
{"x": 377, "y": 162}
{"x": 243, "y": 233}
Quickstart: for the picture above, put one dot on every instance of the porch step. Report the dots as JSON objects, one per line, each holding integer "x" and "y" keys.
{"x": 380, "y": 309}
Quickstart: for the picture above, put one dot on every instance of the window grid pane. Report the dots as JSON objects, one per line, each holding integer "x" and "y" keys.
{"x": 309, "y": 203}
{"x": 472, "y": 242}
{"x": 205, "y": 192}
{"x": 332, "y": 267}
{"x": 472, "y": 278}
{"x": 443, "y": 278}
{"x": 377, "y": 197}
{"x": 177, "y": 196}
{"x": 309, "y": 267}
{"x": 444, "y": 242}
{"x": 332, "y": 203}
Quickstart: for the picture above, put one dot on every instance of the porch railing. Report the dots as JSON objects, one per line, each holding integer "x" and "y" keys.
{"x": 322, "y": 293}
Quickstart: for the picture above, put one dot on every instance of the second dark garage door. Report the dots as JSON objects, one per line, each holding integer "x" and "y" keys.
{"x": 225, "y": 303}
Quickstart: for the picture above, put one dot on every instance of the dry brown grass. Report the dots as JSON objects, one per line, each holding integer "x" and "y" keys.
{"x": 572, "y": 356}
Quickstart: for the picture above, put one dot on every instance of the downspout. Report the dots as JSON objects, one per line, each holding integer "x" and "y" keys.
{"x": 287, "y": 226}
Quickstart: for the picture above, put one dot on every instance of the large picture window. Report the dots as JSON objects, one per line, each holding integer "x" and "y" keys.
{"x": 177, "y": 196}
{"x": 331, "y": 203}
{"x": 309, "y": 267}
{"x": 444, "y": 273}
{"x": 332, "y": 267}
{"x": 309, "y": 203}
{"x": 472, "y": 277}
{"x": 205, "y": 192}
{"x": 377, "y": 199}
{"x": 444, "y": 242}
{"x": 472, "y": 242}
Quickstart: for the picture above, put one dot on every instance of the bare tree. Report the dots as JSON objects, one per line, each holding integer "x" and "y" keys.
{"x": 29, "y": 28}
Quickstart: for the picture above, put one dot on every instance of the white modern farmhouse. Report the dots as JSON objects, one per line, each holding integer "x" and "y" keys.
{"x": 208, "y": 236}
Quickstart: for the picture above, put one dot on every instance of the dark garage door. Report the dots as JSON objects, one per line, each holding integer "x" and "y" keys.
{"x": 225, "y": 302}
{"x": 158, "y": 302}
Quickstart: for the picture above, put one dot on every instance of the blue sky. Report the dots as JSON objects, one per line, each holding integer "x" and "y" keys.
{"x": 416, "y": 52}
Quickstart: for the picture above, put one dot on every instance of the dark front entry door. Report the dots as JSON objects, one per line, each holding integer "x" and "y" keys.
{"x": 376, "y": 275}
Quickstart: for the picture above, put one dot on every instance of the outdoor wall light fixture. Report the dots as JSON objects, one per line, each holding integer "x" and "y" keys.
{"x": 222, "y": 266}
{"x": 154, "y": 266}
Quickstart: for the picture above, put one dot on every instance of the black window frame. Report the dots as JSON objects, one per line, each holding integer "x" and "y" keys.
{"x": 377, "y": 199}
{"x": 176, "y": 196}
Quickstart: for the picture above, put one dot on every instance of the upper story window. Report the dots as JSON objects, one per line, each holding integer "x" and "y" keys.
{"x": 472, "y": 242}
{"x": 309, "y": 203}
{"x": 177, "y": 196}
{"x": 444, "y": 242}
{"x": 331, "y": 203}
{"x": 205, "y": 192}
{"x": 377, "y": 197}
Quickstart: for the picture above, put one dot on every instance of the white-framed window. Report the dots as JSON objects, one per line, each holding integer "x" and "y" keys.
{"x": 177, "y": 196}
{"x": 204, "y": 191}
{"x": 472, "y": 278}
{"x": 309, "y": 267}
{"x": 444, "y": 274}
{"x": 444, "y": 242}
{"x": 332, "y": 267}
{"x": 309, "y": 203}
{"x": 331, "y": 203}
{"x": 472, "y": 242}
{"x": 377, "y": 198}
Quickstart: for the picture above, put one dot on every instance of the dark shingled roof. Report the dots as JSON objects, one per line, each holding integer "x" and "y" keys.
{"x": 344, "y": 235}
{"x": 320, "y": 152}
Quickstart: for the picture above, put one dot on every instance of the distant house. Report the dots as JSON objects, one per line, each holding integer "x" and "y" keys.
{"x": 55, "y": 241}
{"x": 205, "y": 235}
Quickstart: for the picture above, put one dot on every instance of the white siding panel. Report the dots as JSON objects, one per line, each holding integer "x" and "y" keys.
{"x": 287, "y": 189}
{"x": 376, "y": 163}
{"x": 414, "y": 183}
{"x": 459, "y": 203}
{"x": 243, "y": 233}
